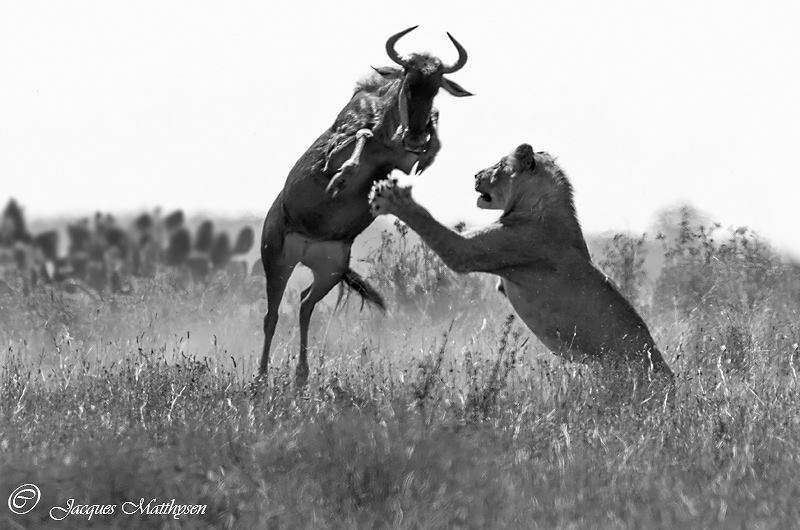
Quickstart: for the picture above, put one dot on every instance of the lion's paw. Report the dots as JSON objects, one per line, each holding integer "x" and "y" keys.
{"x": 386, "y": 197}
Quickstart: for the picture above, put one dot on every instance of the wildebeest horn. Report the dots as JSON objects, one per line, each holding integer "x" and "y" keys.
{"x": 393, "y": 55}
{"x": 462, "y": 57}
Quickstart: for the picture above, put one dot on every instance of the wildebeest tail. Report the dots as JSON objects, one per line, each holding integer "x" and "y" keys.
{"x": 368, "y": 294}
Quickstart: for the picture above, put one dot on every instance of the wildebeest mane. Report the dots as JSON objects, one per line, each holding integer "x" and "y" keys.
{"x": 375, "y": 83}
{"x": 373, "y": 106}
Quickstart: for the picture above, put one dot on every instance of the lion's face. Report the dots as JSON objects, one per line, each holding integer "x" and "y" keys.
{"x": 497, "y": 184}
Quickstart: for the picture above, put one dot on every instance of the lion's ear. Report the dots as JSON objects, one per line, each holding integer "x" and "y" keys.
{"x": 524, "y": 156}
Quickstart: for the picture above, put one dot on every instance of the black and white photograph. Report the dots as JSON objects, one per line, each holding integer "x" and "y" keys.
{"x": 418, "y": 265}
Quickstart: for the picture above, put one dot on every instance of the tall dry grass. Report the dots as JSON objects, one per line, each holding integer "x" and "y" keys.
{"x": 444, "y": 413}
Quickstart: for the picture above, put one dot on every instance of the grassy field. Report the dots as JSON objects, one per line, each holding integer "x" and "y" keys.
{"x": 444, "y": 413}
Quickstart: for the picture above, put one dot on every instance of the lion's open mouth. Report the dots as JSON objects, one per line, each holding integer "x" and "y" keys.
{"x": 485, "y": 196}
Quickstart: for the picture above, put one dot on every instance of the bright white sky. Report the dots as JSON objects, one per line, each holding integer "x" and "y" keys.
{"x": 121, "y": 105}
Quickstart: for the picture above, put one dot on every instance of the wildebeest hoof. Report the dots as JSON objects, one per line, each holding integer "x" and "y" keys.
{"x": 423, "y": 164}
{"x": 339, "y": 180}
{"x": 301, "y": 376}
{"x": 259, "y": 385}
{"x": 428, "y": 156}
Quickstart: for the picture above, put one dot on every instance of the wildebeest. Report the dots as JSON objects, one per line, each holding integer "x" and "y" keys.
{"x": 389, "y": 123}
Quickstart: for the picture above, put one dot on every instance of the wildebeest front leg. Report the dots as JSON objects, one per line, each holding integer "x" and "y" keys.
{"x": 348, "y": 169}
{"x": 432, "y": 147}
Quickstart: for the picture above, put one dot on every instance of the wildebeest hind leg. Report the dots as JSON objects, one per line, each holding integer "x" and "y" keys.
{"x": 329, "y": 263}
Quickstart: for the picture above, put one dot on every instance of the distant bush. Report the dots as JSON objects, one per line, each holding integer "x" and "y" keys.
{"x": 720, "y": 293}
{"x": 622, "y": 259}
{"x": 740, "y": 271}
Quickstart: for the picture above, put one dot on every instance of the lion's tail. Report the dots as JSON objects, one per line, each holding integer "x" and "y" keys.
{"x": 368, "y": 293}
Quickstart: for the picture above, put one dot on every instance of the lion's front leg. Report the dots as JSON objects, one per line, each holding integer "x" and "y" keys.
{"x": 350, "y": 167}
{"x": 490, "y": 249}
{"x": 387, "y": 197}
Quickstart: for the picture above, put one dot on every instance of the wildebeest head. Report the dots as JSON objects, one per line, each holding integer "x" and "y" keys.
{"x": 421, "y": 77}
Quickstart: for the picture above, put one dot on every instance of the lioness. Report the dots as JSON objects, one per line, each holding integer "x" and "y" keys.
{"x": 538, "y": 250}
